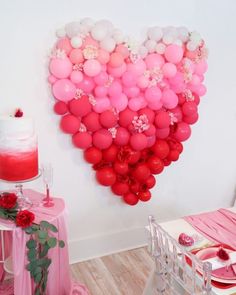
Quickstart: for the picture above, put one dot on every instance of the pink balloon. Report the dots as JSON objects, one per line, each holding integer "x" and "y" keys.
{"x": 195, "y": 80}
{"x": 177, "y": 83}
{"x": 162, "y": 120}
{"x": 174, "y": 53}
{"x": 169, "y": 70}
{"x": 103, "y": 56}
{"x": 182, "y": 132}
{"x": 129, "y": 79}
{"x": 101, "y": 78}
{"x": 153, "y": 94}
{"x": 52, "y": 79}
{"x": 199, "y": 90}
{"x": 82, "y": 140}
{"x": 136, "y": 104}
{"x": 122, "y": 50}
{"x": 132, "y": 91}
{"x": 177, "y": 113}
{"x": 108, "y": 119}
{"x": 115, "y": 89}
{"x": 102, "y": 104}
{"x": 117, "y": 72}
{"x": 102, "y": 139}
{"x": 76, "y": 77}
{"x": 148, "y": 113}
{"x": 151, "y": 131}
{"x": 65, "y": 45}
{"x": 150, "y": 141}
{"x": 116, "y": 59}
{"x": 126, "y": 117}
{"x": 138, "y": 141}
{"x": 189, "y": 108}
{"x": 100, "y": 91}
{"x": 64, "y": 90}
{"x": 142, "y": 82}
{"x": 92, "y": 67}
{"x": 137, "y": 68}
{"x": 122, "y": 136}
{"x": 60, "y": 67}
{"x": 201, "y": 67}
{"x": 154, "y": 60}
{"x": 155, "y": 105}
{"x": 162, "y": 133}
{"x": 87, "y": 84}
{"x": 191, "y": 119}
{"x": 76, "y": 56}
{"x": 92, "y": 122}
{"x": 120, "y": 103}
{"x": 169, "y": 99}
{"x": 90, "y": 41}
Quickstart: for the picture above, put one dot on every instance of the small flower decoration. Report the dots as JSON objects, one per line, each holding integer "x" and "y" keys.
{"x": 18, "y": 113}
{"x": 58, "y": 53}
{"x": 140, "y": 123}
{"x": 90, "y": 52}
{"x": 222, "y": 254}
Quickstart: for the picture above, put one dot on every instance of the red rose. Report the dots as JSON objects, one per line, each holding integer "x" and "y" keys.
{"x": 8, "y": 200}
{"x": 222, "y": 254}
{"x": 24, "y": 218}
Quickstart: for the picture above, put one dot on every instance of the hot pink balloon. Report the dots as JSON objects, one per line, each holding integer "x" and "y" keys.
{"x": 64, "y": 90}
{"x": 155, "y": 105}
{"x": 87, "y": 84}
{"x": 117, "y": 72}
{"x": 102, "y": 139}
{"x": 177, "y": 83}
{"x": 150, "y": 131}
{"x": 142, "y": 82}
{"x": 132, "y": 91}
{"x": 138, "y": 141}
{"x": 60, "y": 67}
{"x": 115, "y": 89}
{"x": 101, "y": 78}
{"x": 169, "y": 70}
{"x": 174, "y": 53}
{"x": 76, "y": 77}
{"x": 129, "y": 79}
{"x": 182, "y": 132}
{"x": 169, "y": 99}
{"x": 100, "y": 91}
{"x": 102, "y": 104}
{"x": 162, "y": 133}
{"x": 120, "y": 103}
{"x": 136, "y": 104}
{"x": 122, "y": 136}
{"x": 177, "y": 114}
{"x": 153, "y": 94}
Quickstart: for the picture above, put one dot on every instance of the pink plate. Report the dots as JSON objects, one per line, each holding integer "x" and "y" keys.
{"x": 221, "y": 275}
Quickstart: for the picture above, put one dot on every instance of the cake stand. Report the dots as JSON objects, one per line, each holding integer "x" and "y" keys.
{"x": 24, "y": 201}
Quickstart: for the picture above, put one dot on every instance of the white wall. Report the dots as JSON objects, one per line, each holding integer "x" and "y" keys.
{"x": 205, "y": 176}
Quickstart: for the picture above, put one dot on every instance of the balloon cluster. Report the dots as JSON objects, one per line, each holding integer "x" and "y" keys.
{"x": 128, "y": 104}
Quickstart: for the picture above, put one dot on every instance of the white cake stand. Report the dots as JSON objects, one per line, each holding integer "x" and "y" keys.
{"x": 24, "y": 201}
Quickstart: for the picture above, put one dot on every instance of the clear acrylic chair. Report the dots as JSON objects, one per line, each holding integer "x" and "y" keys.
{"x": 6, "y": 260}
{"x": 176, "y": 270}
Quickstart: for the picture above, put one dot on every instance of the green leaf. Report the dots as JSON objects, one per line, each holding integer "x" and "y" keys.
{"x": 35, "y": 227}
{"x": 37, "y": 292}
{"x": 37, "y": 270}
{"x": 42, "y": 234}
{"x": 42, "y": 241}
{"x": 53, "y": 228}
{"x": 3, "y": 214}
{"x": 32, "y": 254}
{"x": 44, "y": 224}
{"x": 32, "y": 265}
{"x": 52, "y": 242}
{"x": 44, "y": 251}
{"x": 61, "y": 244}
{"x": 38, "y": 277}
{"x": 31, "y": 244}
{"x": 28, "y": 230}
{"x": 44, "y": 262}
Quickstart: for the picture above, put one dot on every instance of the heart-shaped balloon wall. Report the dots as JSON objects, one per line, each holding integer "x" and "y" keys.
{"x": 127, "y": 104}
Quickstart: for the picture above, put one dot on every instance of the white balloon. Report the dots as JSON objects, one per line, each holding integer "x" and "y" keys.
{"x": 143, "y": 51}
{"x": 119, "y": 38}
{"x": 195, "y": 36}
{"x": 99, "y": 32}
{"x": 72, "y": 29}
{"x": 106, "y": 23}
{"x": 191, "y": 46}
{"x": 183, "y": 34}
{"x": 155, "y": 33}
{"x": 167, "y": 39}
{"x": 150, "y": 45}
{"x": 108, "y": 44}
{"x": 84, "y": 29}
{"x": 160, "y": 48}
{"x": 178, "y": 42}
{"x": 61, "y": 33}
{"x": 76, "y": 42}
{"x": 87, "y": 22}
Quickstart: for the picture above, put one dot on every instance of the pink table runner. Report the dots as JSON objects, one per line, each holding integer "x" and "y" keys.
{"x": 218, "y": 226}
{"x": 59, "y": 280}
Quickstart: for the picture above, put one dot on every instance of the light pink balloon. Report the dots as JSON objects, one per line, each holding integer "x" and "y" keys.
{"x": 169, "y": 99}
{"x": 169, "y": 70}
{"x": 155, "y": 105}
{"x": 201, "y": 67}
{"x": 200, "y": 89}
{"x": 64, "y": 90}
{"x": 129, "y": 79}
{"x": 162, "y": 133}
{"x": 195, "y": 80}
{"x": 122, "y": 50}
{"x": 65, "y": 45}
{"x": 120, "y": 103}
{"x": 142, "y": 82}
{"x": 101, "y": 78}
{"x": 154, "y": 60}
{"x": 102, "y": 104}
{"x": 76, "y": 77}
{"x": 177, "y": 83}
{"x": 92, "y": 67}
{"x": 100, "y": 91}
{"x": 136, "y": 104}
{"x": 174, "y": 53}
{"x": 137, "y": 68}
{"x": 60, "y": 67}
{"x": 115, "y": 89}
{"x": 131, "y": 91}
{"x": 117, "y": 72}
{"x": 152, "y": 94}
{"x": 52, "y": 79}
{"x": 103, "y": 56}
{"x": 87, "y": 84}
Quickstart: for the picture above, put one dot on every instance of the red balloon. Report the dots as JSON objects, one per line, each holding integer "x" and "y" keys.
{"x": 109, "y": 155}
{"x": 122, "y": 136}
{"x": 91, "y": 121}
{"x": 93, "y": 155}
{"x": 161, "y": 149}
{"x": 82, "y": 140}
{"x": 108, "y": 119}
{"x": 150, "y": 182}
{"x": 181, "y": 98}
{"x": 138, "y": 141}
{"x": 196, "y": 99}
{"x": 175, "y": 145}
{"x": 166, "y": 162}
{"x": 134, "y": 187}
{"x": 149, "y": 113}
{"x": 155, "y": 165}
{"x": 151, "y": 130}
{"x": 141, "y": 172}
{"x": 144, "y": 196}
{"x": 106, "y": 176}
{"x": 162, "y": 120}
{"x": 134, "y": 157}
{"x": 182, "y": 131}
{"x": 121, "y": 167}
{"x": 80, "y": 107}
{"x": 60, "y": 108}
{"x": 120, "y": 188}
{"x": 126, "y": 117}
{"x": 189, "y": 108}
{"x": 102, "y": 139}
{"x": 191, "y": 119}
{"x": 173, "y": 155}
{"x": 130, "y": 199}
{"x": 70, "y": 124}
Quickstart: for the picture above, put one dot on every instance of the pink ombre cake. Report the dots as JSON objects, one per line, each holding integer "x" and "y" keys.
{"x": 18, "y": 148}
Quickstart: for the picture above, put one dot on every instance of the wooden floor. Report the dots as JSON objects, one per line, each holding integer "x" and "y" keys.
{"x": 123, "y": 273}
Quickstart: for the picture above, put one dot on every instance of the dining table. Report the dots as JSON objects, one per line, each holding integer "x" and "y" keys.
{"x": 59, "y": 277}
{"x": 201, "y": 228}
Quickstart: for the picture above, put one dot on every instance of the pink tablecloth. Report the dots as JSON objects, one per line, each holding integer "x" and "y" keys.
{"x": 59, "y": 280}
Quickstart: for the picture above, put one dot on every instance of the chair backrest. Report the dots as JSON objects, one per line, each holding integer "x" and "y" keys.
{"x": 179, "y": 271}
